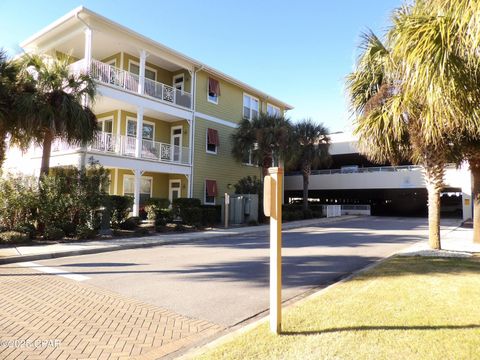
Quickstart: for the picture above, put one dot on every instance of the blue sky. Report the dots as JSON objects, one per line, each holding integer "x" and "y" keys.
{"x": 298, "y": 51}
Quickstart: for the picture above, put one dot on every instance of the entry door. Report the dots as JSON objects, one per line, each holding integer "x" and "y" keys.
{"x": 174, "y": 191}
{"x": 176, "y": 144}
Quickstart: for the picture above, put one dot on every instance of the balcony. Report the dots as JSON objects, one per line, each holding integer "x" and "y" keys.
{"x": 126, "y": 146}
{"x": 122, "y": 79}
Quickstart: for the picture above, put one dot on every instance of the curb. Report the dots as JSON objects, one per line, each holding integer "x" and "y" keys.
{"x": 160, "y": 242}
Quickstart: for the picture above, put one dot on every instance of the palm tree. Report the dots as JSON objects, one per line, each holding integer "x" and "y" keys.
{"x": 389, "y": 128}
{"x": 58, "y": 105}
{"x": 437, "y": 41}
{"x": 265, "y": 138}
{"x": 309, "y": 149}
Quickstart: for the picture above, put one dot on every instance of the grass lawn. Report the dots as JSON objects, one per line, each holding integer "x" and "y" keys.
{"x": 406, "y": 308}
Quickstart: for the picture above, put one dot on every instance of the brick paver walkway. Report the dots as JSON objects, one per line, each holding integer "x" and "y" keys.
{"x": 39, "y": 311}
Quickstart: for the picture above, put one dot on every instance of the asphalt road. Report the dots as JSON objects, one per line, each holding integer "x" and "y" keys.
{"x": 225, "y": 280}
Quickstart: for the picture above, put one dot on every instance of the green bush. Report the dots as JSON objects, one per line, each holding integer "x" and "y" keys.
{"x": 26, "y": 228}
{"x": 84, "y": 232}
{"x": 19, "y": 201}
{"x": 13, "y": 237}
{"x": 119, "y": 208}
{"x": 192, "y": 216}
{"x": 186, "y": 202}
{"x": 211, "y": 214}
{"x": 69, "y": 228}
{"x": 154, "y": 205}
{"x": 53, "y": 233}
{"x": 130, "y": 223}
{"x": 307, "y": 214}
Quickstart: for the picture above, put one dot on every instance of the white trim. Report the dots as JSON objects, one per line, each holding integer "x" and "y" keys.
{"x": 205, "y": 193}
{"x": 130, "y": 61}
{"x": 115, "y": 188}
{"x": 172, "y": 129}
{"x": 141, "y": 177}
{"x": 208, "y": 95}
{"x": 133, "y": 118}
{"x": 254, "y": 98}
{"x": 206, "y": 143}
{"x": 217, "y": 120}
{"x": 170, "y": 182}
{"x": 114, "y": 61}
{"x": 119, "y": 122}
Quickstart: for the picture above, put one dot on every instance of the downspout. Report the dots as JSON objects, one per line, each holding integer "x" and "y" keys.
{"x": 83, "y": 152}
{"x": 192, "y": 130}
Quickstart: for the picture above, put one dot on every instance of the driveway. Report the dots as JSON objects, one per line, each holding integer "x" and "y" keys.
{"x": 223, "y": 281}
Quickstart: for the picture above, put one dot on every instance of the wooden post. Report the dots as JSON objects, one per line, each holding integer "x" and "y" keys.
{"x": 273, "y": 186}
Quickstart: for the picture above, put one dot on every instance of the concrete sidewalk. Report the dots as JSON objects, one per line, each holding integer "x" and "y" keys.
{"x": 14, "y": 254}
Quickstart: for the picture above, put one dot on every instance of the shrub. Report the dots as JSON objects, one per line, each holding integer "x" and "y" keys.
{"x": 211, "y": 214}
{"x": 252, "y": 222}
{"x": 13, "y": 237}
{"x": 119, "y": 208}
{"x": 192, "y": 216}
{"x": 186, "y": 203}
{"x": 69, "y": 228}
{"x": 307, "y": 214}
{"x": 130, "y": 223}
{"x": 317, "y": 214}
{"x": 154, "y": 205}
{"x": 249, "y": 185}
{"x": 19, "y": 201}
{"x": 53, "y": 233}
{"x": 84, "y": 232}
{"x": 26, "y": 228}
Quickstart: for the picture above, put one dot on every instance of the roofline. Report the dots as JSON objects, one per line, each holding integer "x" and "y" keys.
{"x": 194, "y": 62}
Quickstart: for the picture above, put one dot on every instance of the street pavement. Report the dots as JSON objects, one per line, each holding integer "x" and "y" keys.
{"x": 197, "y": 288}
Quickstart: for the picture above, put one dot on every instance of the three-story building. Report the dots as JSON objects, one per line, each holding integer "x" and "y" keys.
{"x": 165, "y": 120}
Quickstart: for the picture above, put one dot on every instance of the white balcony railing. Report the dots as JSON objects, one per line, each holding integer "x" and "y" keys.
{"x": 126, "y": 146}
{"x": 113, "y": 76}
{"x": 152, "y": 150}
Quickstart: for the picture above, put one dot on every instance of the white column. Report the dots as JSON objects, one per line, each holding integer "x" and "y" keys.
{"x": 136, "y": 192}
{"x": 141, "y": 73}
{"x": 467, "y": 201}
{"x": 189, "y": 189}
{"x": 88, "y": 47}
{"x": 138, "y": 145}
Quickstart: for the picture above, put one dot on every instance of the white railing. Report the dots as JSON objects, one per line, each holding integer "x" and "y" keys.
{"x": 152, "y": 150}
{"x": 126, "y": 80}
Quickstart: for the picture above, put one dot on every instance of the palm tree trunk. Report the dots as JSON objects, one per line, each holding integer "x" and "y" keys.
{"x": 475, "y": 169}
{"x": 3, "y": 146}
{"x": 47, "y": 147}
{"x": 434, "y": 173}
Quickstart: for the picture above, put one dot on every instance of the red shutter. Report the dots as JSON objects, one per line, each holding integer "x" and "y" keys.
{"x": 213, "y": 87}
{"x": 211, "y": 186}
{"x": 212, "y": 137}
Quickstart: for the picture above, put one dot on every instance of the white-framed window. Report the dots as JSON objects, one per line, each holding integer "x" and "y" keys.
{"x": 179, "y": 82}
{"x": 148, "y": 132}
{"x": 247, "y": 158}
{"x": 105, "y": 124}
{"x": 134, "y": 68}
{"x": 146, "y": 183}
{"x": 213, "y": 90}
{"x": 273, "y": 110}
{"x": 251, "y": 106}
{"x": 212, "y": 141}
{"x": 210, "y": 192}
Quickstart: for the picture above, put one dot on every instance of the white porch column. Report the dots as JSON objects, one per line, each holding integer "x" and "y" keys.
{"x": 467, "y": 201}
{"x": 138, "y": 144}
{"x": 136, "y": 192}
{"x": 141, "y": 73}
{"x": 88, "y": 47}
{"x": 189, "y": 188}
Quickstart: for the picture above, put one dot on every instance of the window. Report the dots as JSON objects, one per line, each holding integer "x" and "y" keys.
{"x": 145, "y": 187}
{"x": 105, "y": 125}
{"x": 212, "y": 141}
{"x": 179, "y": 82}
{"x": 148, "y": 129}
{"x": 273, "y": 110}
{"x": 250, "y": 107}
{"x": 150, "y": 73}
{"x": 213, "y": 90}
{"x": 210, "y": 191}
{"x": 247, "y": 158}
